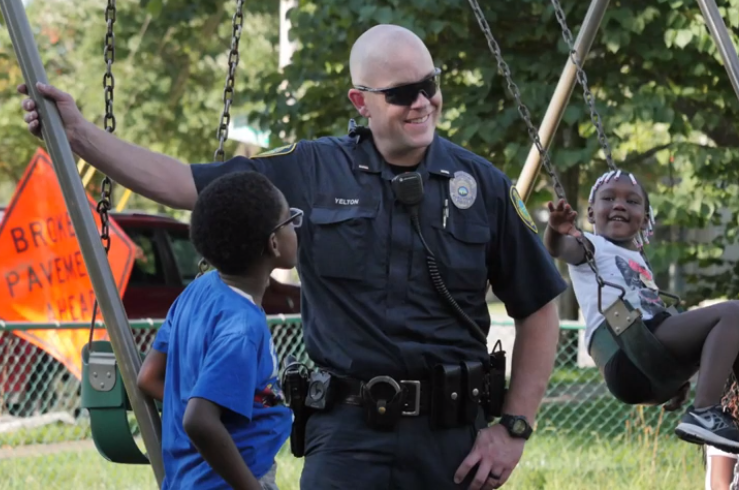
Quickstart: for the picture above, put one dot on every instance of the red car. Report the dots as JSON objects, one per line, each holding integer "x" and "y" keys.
{"x": 34, "y": 382}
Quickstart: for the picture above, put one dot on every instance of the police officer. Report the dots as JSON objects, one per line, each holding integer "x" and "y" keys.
{"x": 403, "y": 363}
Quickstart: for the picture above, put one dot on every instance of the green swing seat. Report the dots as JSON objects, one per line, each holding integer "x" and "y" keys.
{"x": 623, "y": 329}
{"x": 105, "y": 398}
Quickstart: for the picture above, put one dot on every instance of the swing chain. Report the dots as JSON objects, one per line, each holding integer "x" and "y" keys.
{"x": 228, "y": 89}
{"x": 532, "y": 130}
{"x": 104, "y": 205}
{"x": 513, "y": 88}
{"x": 583, "y": 80}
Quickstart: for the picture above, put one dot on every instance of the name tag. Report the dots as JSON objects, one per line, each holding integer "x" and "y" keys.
{"x": 346, "y": 202}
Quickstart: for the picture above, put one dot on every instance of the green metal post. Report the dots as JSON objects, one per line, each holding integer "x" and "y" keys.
{"x": 103, "y": 283}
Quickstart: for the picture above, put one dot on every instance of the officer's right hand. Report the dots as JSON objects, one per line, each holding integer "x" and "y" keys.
{"x": 562, "y": 218}
{"x": 71, "y": 116}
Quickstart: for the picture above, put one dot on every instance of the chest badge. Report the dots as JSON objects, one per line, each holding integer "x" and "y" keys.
{"x": 521, "y": 210}
{"x": 463, "y": 190}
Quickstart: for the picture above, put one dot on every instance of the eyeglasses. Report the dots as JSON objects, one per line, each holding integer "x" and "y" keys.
{"x": 296, "y": 219}
{"x": 405, "y": 95}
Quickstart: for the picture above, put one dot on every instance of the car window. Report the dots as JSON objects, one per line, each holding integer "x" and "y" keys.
{"x": 147, "y": 269}
{"x": 185, "y": 255}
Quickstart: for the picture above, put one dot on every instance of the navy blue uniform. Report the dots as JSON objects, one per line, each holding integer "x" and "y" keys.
{"x": 369, "y": 307}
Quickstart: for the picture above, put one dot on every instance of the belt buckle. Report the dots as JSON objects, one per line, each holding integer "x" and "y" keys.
{"x": 417, "y": 398}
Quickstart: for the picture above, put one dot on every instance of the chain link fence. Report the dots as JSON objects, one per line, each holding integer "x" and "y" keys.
{"x": 45, "y": 437}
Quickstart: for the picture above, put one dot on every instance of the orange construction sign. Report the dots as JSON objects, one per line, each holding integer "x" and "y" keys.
{"x": 43, "y": 277}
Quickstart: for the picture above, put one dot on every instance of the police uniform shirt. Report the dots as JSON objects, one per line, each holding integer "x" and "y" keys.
{"x": 369, "y": 306}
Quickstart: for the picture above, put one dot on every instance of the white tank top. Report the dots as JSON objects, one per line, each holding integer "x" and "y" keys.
{"x": 620, "y": 266}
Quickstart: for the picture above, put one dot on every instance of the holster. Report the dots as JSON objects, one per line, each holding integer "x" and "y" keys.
{"x": 295, "y": 386}
{"x": 495, "y": 390}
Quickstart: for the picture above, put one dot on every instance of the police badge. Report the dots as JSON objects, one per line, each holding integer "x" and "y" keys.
{"x": 463, "y": 190}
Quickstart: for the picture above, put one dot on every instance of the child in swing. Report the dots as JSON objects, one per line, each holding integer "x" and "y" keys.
{"x": 213, "y": 361}
{"x": 622, "y": 219}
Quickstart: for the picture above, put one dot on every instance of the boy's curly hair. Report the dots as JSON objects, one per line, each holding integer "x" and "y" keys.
{"x": 233, "y": 219}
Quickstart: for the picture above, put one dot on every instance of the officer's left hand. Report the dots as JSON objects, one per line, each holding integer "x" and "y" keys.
{"x": 497, "y": 453}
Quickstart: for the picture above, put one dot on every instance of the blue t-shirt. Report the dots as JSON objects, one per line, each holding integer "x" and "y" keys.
{"x": 219, "y": 348}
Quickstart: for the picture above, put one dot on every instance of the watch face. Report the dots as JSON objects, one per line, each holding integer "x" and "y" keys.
{"x": 519, "y": 426}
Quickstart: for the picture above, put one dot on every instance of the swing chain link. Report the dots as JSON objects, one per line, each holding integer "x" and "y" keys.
{"x": 532, "y": 130}
{"x": 228, "y": 89}
{"x": 583, "y": 80}
{"x": 109, "y": 123}
{"x": 104, "y": 205}
{"x": 513, "y": 88}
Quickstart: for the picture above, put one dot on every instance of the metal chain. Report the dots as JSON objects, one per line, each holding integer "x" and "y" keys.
{"x": 588, "y": 95}
{"x": 735, "y": 478}
{"x": 228, "y": 89}
{"x": 583, "y": 81}
{"x": 104, "y": 205}
{"x": 532, "y": 130}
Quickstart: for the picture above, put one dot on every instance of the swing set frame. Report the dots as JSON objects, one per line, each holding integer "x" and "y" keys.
{"x": 126, "y": 358}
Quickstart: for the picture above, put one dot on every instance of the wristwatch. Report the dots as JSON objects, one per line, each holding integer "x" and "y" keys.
{"x": 517, "y": 426}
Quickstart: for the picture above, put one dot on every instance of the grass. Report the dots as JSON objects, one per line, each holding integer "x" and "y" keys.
{"x": 52, "y": 433}
{"x": 636, "y": 461}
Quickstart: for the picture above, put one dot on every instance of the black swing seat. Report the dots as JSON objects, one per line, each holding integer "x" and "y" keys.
{"x": 623, "y": 329}
{"x": 105, "y": 398}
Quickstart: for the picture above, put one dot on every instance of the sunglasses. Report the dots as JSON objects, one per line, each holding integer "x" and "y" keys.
{"x": 296, "y": 219}
{"x": 405, "y": 95}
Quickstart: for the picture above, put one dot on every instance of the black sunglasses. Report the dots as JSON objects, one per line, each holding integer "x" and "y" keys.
{"x": 296, "y": 218}
{"x": 405, "y": 95}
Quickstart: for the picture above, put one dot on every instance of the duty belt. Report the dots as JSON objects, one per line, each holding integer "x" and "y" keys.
{"x": 415, "y": 395}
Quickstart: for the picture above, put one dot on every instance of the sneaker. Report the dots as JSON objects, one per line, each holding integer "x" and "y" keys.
{"x": 710, "y": 425}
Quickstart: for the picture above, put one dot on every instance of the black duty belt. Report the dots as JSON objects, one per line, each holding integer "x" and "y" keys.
{"x": 415, "y": 394}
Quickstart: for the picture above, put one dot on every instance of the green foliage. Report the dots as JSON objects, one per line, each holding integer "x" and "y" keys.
{"x": 666, "y": 102}
{"x": 170, "y": 67}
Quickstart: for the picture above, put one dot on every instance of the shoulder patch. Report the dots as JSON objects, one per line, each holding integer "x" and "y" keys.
{"x": 523, "y": 213}
{"x": 282, "y": 150}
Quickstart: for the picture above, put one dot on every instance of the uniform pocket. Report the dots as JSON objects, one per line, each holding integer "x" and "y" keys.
{"x": 340, "y": 237}
{"x": 464, "y": 259}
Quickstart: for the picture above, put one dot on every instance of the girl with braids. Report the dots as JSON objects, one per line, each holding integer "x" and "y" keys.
{"x": 622, "y": 221}
{"x": 720, "y": 464}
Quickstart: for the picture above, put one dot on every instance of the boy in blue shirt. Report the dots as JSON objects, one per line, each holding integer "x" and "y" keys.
{"x": 213, "y": 362}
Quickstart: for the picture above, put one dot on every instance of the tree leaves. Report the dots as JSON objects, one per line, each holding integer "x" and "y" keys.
{"x": 656, "y": 76}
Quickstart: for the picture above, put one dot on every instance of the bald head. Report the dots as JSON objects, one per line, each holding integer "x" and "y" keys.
{"x": 386, "y": 50}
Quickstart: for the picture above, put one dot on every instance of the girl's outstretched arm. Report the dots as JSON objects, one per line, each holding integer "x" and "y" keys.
{"x": 560, "y": 236}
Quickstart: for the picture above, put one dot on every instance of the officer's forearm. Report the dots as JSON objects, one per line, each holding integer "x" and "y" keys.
{"x": 153, "y": 175}
{"x": 534, "y": 352}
